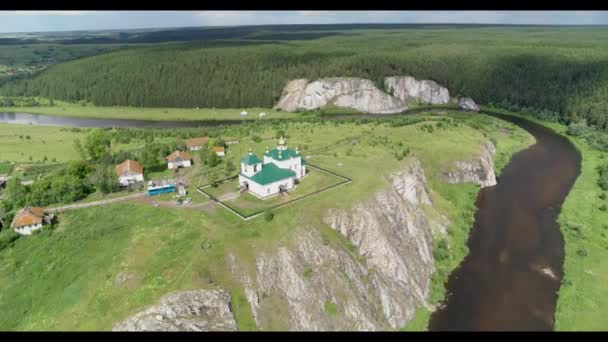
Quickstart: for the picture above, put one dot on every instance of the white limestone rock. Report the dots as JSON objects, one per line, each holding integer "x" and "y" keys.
{"x": 479, "y": 170}
{"x": 201, "y": 310}
{"x": 408, "y": 90}
{"x": 357, "y": 93}
{"x": 467, "y": 103}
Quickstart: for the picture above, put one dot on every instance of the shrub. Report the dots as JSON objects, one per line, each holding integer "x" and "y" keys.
{"x": 582, "y": 252}
{"x": 256, "y": 138}
{"x": 603, "y": 207}
{"x": 441, "y": 252}
{"x": 268, "y": 215}
{"x": 576, "y": 129}
{"x": 603, "y": 196}
{"x": 7, "y": 238}
{"x": 603, "y": 180}
{"x": 331, "y": 309}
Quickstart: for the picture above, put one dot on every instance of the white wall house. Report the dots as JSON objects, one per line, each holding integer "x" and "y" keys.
{"x": 129, "y": 172}
{"x": 29, "y": 220}
{"x": 219, "y": 150}
{"x": 179, "y": 159}
{"x": 196, "y": 144}
{"x": 277, "y": 173}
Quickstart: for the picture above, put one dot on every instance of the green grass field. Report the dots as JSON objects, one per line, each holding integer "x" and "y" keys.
{"x": 90, "y": 111}
{"x": 64, "y": 279}
{"x": 29, "y": 143}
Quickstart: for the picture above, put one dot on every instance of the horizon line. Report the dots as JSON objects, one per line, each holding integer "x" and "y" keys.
{"x": 303, "y": 24}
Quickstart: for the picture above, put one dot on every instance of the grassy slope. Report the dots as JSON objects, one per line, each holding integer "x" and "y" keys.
{"x": 583, "y": 298}
{"x": 90, "y": 111}
{"x": 63, "y": 279}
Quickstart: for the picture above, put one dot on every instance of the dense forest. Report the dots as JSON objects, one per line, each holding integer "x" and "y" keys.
{"x": 563, "y": 71}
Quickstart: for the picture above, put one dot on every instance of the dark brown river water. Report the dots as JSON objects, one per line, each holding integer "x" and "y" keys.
{"x": 510, "y": 279}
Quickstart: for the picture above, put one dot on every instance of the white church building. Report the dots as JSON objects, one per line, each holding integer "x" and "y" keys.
{"x": 277, "y": 173}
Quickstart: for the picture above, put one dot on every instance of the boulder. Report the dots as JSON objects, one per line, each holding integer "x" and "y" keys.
{"x": 467, "y": 103}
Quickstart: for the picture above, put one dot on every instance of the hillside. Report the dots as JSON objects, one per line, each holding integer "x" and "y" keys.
{"x": 509, "y": 65}
{"x": 91, "y": 274}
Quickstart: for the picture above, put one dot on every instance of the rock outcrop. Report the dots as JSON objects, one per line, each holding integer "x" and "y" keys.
{"x": 467, "y": 103}
{"x": 377, "y": 284}
{"x": 356, "y": 93}
{"x": 362, "y": 95}
{"x": 202, "y": 310}
{"x": 408, "y": 90}
{"x": 478, "y": 170}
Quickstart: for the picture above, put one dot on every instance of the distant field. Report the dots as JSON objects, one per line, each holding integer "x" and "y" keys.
{"x": 22, "y": 60}
{"x": 66, "y": 109}
{"x": 29, "y": 143}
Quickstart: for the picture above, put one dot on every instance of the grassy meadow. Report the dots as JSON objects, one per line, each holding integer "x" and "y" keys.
{"x": 64, "y": 279}
{"x": 90, "y": 111}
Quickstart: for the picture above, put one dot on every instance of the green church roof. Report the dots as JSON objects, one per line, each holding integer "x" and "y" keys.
{"x": 270, "y": 173}
{"x": 285, "y": 154}
{"x": 251, "y": 159}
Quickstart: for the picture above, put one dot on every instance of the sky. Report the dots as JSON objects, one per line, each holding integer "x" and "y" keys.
{"x": 40, "y": 21}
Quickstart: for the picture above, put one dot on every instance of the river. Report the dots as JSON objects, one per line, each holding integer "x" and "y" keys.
{"x": 50, "y": 120}
{"x": 510, "y": 278}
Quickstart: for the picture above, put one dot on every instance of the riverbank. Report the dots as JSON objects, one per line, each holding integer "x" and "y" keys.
{"x": 583, "y": 297}
{"x": 462, "y": 216}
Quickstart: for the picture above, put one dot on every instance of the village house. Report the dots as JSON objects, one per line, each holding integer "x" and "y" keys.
{"x": 219, "y": 150}
{"x": 231, "y": 140}
{"x": 28, "y": 220}
{"x": 196, "y": 144}
{"x": 179, "y": 159}
{"x": 129, "y": 172}
{"x": 277, "y": 173}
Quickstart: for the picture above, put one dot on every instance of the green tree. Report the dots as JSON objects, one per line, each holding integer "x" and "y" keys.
{"x": 79, "y": 149}
{"x": 212, "y": 179}
{"x": 78, "y": 168}
{"x": 97, "y": 144}
{"x": 105, "y": 179}
{"x": 15, "y": 194}
{"x": 230, "y": 168}
{"x": 212, "y": 159}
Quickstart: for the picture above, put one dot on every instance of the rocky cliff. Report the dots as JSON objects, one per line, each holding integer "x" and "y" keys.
{"x": 356, "y": 93}
{"x": 202, "y": 310}
{"x": 362, "y": 95}
{"x": 479, "y": 170}
{"x": 408, "y": 90}
{"x": 371, "y": 274}
{"x": 376, "y": 284}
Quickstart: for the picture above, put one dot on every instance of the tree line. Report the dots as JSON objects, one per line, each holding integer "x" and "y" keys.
{"x": 556, "y": 70}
